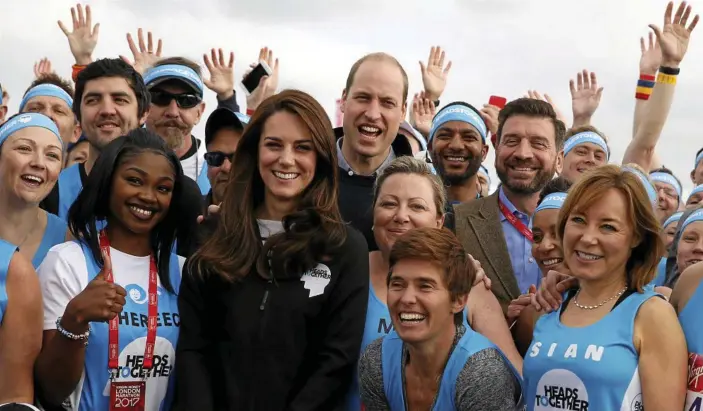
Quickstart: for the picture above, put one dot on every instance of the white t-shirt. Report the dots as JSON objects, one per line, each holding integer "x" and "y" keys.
{"x": 64, "y": 274}
{"x": 193, "y": 165}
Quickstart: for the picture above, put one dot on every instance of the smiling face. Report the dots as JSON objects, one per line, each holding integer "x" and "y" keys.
{"x": 526, "y": 156}
{"x": 690, "y": 249}
{"x": 30, "y": 163}
{"x": 142, "y": 187}
{"x": 58, "y": 111}
{"x": 287, "y": 157}
{"x": 546, "y": 247}
{"x": 667, "y": 201}
{"x": 457, "y": 151}
{"x": 582, "y": 158}
{"x": 373, "y": 108}
{"x": 109, "y": 109}
{"x": 598, "y": 241}
{"x": 173, "y": 123}
{"x": 419, "y": 302}
{"x": 404, "y": 201}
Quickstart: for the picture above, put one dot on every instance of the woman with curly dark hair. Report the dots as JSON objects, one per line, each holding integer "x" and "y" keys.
{"x": 273, "y": 304}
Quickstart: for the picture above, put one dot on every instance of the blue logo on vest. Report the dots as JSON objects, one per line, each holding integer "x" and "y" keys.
{"x": 561, "y": 390}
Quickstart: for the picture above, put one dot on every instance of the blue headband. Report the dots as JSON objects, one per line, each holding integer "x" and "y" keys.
{"x": 458, "y": 112}
{"x": 673, "y": 218}
{"x": 175, "y": 71}
{"x": 553, "y": 201}
{"x": 28, "y": 120}
{"x": 696, "y": 190}
{"x": 46, "y": 90}
{"x": 651, "y": 191}
{"x": 586, "y": 137}
{"x": 666, "y": 178}
{"x": 698, "y": 160}
{"x": 692, "y": 218}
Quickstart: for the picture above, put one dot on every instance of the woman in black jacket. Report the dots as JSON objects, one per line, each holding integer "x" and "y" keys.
{"x": 273, "y": 304}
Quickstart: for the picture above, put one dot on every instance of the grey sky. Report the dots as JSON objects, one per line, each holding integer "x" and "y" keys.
{"x": 501, "y": 47}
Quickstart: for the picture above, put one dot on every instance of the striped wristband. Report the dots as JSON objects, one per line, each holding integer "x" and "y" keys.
{"x": 645, "y": 85}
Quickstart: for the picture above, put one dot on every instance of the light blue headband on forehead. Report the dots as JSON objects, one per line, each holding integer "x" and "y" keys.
{"x": 696, "y": 190}
{"x": 586, "y": 137}
{"x": 553, "y": 201}
{"x": 692, "y": 218}
{"x": 651, "y": 191}
{"x": 175, "y": 71}
{"x": 458, "y": 112}
{"x": 698, "y": 160}
{"x": 26, "y": 120}
{"x": 666, "y": 178}
{"x": 46, "y": 90}
{"x": 673, "y": 218}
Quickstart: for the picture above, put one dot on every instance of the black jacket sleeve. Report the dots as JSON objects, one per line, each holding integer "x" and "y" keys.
{"x": 194, "y": 390}
{"x": 343, "y": 323}
{"x": 230, "y": 103}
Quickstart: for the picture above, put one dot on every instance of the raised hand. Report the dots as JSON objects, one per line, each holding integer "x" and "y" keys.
{"x": 84, "y": 37}
{"x": 221, "y": 79}
{"x": 422, "y": 113}
{"x": 537, "y": 96}
{"x": 585, "y": 97}
{"x": 489, "y": 114}
{"x": 434, "y": 74}
{"x": 144, "y": 57}
{"x": 651, "y": 57}
{"x": 42, "y": 68}
{"x": 268, "y": 84}
{"x": 673, "y": 38}
{"x": 99, "y": 301}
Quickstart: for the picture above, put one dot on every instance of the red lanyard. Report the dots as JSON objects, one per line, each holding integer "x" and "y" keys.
{"x": 519, "y": 225}
{"x": 153, "y": 301}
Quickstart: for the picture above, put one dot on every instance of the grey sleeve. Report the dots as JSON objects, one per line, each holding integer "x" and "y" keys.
{"x": 487, "y": 384}
{"x": 371, "y": 390}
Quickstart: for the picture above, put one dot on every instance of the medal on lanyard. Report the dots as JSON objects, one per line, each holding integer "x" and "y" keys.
{"x": 130, "y": 395}
{"x": 515, "y": 222}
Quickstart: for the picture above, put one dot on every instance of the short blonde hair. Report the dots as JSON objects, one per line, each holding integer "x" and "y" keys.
{"x": 641, "y": 266}
{"x": 411, "y": 165}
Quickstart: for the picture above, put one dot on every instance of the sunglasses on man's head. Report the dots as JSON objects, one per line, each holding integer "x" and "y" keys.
{"x": 217, "y": 158}
{"x": 184, "y": 100}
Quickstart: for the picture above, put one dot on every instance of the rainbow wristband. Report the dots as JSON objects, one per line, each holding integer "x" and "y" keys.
{"x": 645, "y": 85}
{"x": 666, "y": 79}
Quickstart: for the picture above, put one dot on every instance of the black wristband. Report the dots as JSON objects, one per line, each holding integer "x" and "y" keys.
{"x": 436, "y": 104}
{"x": 669, "y": 71}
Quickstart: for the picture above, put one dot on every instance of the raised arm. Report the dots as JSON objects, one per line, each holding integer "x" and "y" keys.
{"x": 673, "y": 41}
{"x": 20, "y": 334}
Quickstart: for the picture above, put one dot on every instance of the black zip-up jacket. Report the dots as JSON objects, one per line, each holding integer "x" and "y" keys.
{"x": 258, "y": 345}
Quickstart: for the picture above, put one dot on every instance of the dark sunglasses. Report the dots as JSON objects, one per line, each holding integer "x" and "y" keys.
{"x": 217, "y": 158}
{"x": 184, "y": 100}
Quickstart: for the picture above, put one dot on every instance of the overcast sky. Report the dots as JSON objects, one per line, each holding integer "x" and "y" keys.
{"x": 501, "y": 47}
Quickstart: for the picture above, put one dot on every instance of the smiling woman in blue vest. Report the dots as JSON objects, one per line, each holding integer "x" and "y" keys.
{"x": 273, "y": 304}
{"x": 613, "y": 344}
{"x": 31, "y": 158}
{"x": 110, "y": 298}
{"x": 432, "y": 360}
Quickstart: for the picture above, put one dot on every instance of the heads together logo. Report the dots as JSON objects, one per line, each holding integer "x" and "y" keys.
{"x": 561, "y": 390}
{"x": 317, "y": 279}
{"x": 137, "y": 294}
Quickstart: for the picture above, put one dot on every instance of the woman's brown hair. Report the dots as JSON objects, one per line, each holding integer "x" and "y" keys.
{"x": 312, "y": 233}
{"x": 642, "y": 264}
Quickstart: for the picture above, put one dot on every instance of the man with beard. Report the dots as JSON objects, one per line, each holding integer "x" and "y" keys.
{"x": 496, "y": 229}
{"x": 457, "y": 148}
{"x": 176, "y": 87}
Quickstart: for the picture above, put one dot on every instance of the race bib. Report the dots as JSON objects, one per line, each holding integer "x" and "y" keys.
{"x": 127, "y": 396}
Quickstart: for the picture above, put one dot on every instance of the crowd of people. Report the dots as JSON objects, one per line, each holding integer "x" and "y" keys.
{"x": 280, "y": 263}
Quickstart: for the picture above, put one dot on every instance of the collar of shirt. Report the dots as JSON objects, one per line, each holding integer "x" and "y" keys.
{"x": 344, "y": 165}
{"x": 510, "y": 206}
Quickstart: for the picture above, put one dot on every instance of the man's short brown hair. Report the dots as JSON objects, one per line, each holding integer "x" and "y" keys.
{"x": 378, "y": 57}
{"x": 532, "y": 108}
